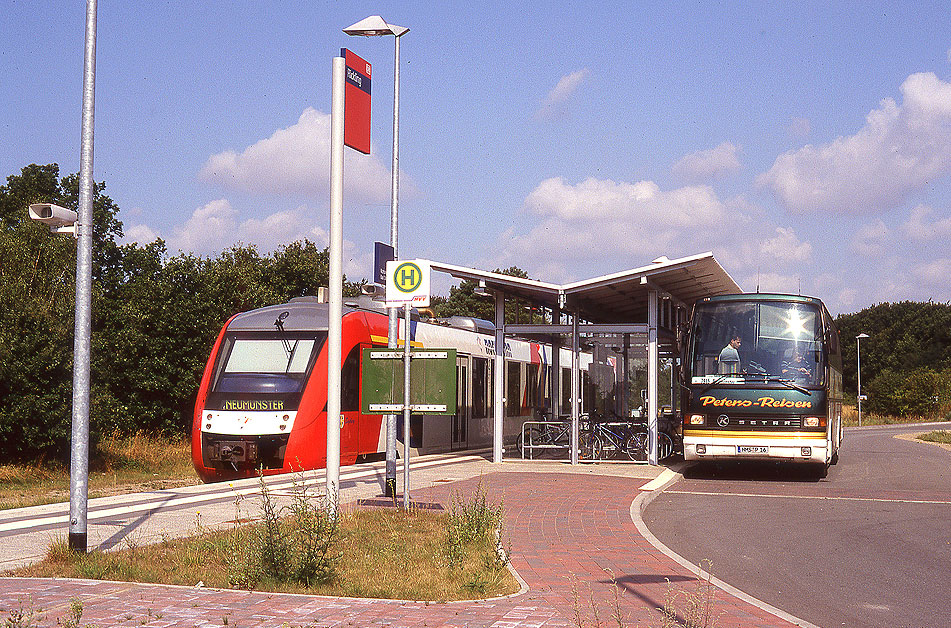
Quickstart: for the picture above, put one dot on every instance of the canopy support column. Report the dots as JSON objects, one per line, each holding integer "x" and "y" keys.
{"x": 575, "y": 388}
{"x": 499, "y": 376}
{"x": 652, "y": 375}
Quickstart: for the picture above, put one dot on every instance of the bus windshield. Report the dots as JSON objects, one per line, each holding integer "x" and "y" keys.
{"x": 756, "y": 341}
{"x": 275, "y": 364}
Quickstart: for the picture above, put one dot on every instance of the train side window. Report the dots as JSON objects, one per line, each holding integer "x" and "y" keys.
{"x": 350, "y": 382}
{"x": 481, "y": 388}
{"x": 566, "y": 391}
{"x": 513, "y": 390}
{"x": 532, "y": 385}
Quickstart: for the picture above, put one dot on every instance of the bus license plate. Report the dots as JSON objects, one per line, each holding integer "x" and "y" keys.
{"x": 747, "y": 449}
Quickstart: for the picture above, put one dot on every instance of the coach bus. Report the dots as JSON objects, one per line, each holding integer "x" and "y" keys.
{"x": 762, "y": 379}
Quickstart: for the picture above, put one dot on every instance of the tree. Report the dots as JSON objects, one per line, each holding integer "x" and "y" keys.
{"x": 463, "y": 301}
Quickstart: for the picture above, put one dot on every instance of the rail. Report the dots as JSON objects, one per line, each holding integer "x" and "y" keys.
{"x": 543, "y": 435}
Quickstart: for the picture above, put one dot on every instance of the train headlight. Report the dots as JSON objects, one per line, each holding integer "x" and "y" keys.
{"x": 697, "y": 419}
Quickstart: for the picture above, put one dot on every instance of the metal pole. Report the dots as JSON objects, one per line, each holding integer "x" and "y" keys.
{"x": 858, "y": 360}
{"x": 652, "y": 375}
{"x": 407, "y": 411}
{"x": 79, "y": 450}
{"x": 336, "y": 287}
{"x": 575, "y": 388}
{"x": 498, "y": 414}
{"x": 393, "y": 330}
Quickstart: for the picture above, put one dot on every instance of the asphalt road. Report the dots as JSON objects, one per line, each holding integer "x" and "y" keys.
{"x": 867, "y": 547}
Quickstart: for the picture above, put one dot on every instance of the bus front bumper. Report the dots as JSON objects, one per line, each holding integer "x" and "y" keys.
{"x": 806, "y": 450}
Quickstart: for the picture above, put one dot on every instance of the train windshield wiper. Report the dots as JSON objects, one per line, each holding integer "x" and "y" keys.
{"x": 289, "y": 348}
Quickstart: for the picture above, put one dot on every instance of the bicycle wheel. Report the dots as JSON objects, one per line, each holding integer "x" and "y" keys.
{"x": 590, "y": 446}
{"x": 665, "y": 446}
{"x": 637, "y": 445}
{"x": 532, "y": 436}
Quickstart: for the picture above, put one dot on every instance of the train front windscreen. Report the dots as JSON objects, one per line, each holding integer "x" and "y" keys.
{"x": 264, "y": 366}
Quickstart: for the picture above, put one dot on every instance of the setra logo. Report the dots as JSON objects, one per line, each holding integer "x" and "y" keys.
{"x": 723, "y": 420}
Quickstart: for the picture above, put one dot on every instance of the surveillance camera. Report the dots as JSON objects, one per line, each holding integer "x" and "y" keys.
{"x": 58, "y": 219}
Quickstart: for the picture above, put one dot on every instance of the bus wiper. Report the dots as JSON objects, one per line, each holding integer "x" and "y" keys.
{"x": 790, "y": 383}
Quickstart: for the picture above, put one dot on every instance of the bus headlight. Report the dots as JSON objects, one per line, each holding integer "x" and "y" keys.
{"x": 697, "y": 419}
{"x": 814, "y": 421}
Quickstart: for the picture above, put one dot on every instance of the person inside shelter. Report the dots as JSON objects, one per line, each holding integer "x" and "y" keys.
{"x": 729, "y": 359}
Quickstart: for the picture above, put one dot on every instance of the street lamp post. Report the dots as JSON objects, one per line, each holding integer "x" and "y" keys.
{"x": 858, "y": 362}
{"x": 375, "y": 26}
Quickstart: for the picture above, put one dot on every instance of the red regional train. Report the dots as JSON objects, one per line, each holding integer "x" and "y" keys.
{"x": 263, "y": 396}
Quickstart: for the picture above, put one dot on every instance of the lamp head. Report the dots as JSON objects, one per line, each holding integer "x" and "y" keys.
{"x": 375, "y": 26}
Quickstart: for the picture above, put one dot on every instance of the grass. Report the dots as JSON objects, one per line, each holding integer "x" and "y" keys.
{"x": 120, "y": 465}
{"x": 381, "y": 553}
{"x": 850, "y": 418}
{"x": 938, "y": 436}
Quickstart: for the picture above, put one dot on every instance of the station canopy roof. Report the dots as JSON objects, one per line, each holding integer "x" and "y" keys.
{"x": 616, "y": 298}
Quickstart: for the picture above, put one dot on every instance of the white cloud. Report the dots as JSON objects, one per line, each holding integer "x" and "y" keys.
{"x": 900, "y": 149}
{"x": 215, "y": 227}
{"x": 705, "y": 165}
{"x": 786, "y": 246}
{"x": 774, "y": 282}
{"x": 599, "y": 226}
{"x": 141, "y": 234}
{"x": 870, "y": 239}
{"x": 922, "y": 225}
{"x": 935, "y": 272}
{"x": 296, "y": 161}
{"x": 554, "y": 103}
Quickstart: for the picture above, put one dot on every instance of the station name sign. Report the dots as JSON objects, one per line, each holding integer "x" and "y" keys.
{"x": 356, "y": 117}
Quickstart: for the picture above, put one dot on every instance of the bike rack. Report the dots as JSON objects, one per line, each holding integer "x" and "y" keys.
{"x": 545, "y": 425}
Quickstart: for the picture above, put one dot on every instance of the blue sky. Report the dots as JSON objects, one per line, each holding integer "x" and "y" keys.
{"x": 807, "y": 145}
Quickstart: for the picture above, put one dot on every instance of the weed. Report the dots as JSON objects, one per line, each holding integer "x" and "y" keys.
{"x": 471, "y": 520}
{"x": 75, "y": 615}
{"x": 681, "y": 609}
{"x": 284, "y": 549}
{"x": 20, "y": 618}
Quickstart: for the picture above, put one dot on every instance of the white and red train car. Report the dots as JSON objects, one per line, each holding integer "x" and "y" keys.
{"x": 263, "y": 396}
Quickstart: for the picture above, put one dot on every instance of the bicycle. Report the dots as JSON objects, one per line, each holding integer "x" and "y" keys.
{"x": 600, "y": 438}
{"x": 638, "y": 444}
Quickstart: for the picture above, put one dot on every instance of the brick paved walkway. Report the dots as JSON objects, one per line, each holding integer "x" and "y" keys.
{"x": 572, "y": 537}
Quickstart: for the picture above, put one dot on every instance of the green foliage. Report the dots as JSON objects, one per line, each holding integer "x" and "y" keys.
{"x": 155, "y": 318}
{"x": 922, "y": 392}
{"x": 906, "y": 361}
{"x": 903, "y": 337}
{"x": 463, "y": 301}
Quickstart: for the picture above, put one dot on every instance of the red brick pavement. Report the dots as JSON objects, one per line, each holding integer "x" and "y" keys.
{"x": 573, "y": 543}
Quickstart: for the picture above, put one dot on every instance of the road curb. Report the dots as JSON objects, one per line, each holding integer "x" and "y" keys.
{"x": 650, "y": 491}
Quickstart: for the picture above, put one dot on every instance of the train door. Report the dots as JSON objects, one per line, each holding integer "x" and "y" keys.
{"x": 460, "y": 421}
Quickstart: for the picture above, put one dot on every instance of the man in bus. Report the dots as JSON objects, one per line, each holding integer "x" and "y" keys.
{"x": 797, "y": 367}
{"x": 729, "y": 360}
